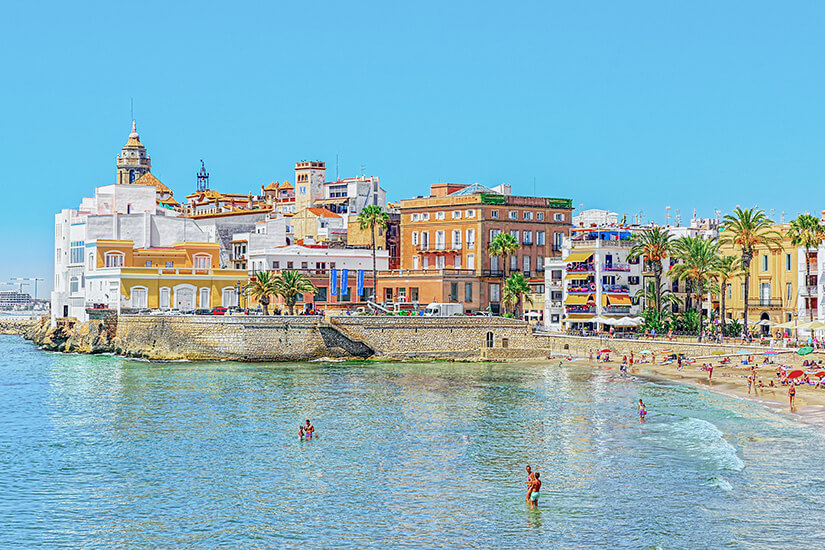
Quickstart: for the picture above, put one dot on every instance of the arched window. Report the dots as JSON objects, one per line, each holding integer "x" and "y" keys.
{"x": 131, "y": 176}
{"x": 140, "y": 297}
{"x": 490, "y": 339}
{"x": 202, "y": 261}
{"x": 113, "y": 259}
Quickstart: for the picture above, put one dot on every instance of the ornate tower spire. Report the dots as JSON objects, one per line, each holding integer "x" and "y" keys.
{"x": 133, "y": 160}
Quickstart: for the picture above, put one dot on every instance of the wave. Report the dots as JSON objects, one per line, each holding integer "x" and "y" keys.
{"x": 701, "y": 441}
{"x": 720, "y": 483}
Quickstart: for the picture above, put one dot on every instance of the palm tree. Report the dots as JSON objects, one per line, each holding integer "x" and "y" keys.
{"x": 727, "y": 268}
{"x": 806, "y": 231}
{"x": 503, "y": 245}
{"x": 289, "y": 285}
{"x": 261, "y": 287}
{"x": 748, "y": 228}
{"x": 697, "y": 262}
{"x": 654, "y": 246}
{"x": 371, "y": 217}
{"x": 515, "y": 290}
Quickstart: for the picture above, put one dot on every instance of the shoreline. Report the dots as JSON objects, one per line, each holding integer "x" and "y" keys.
{"x": 731, "y": 382}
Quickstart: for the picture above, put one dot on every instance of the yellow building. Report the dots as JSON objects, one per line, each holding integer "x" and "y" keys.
{"x": 184, "y": 276}
{"x": 318, "y": 224}
{"x": 778, "y": 290}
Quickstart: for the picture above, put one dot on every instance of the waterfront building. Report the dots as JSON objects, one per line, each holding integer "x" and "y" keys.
{"x": 15, "y": 299}
{"x": 342, "y": 196}
{"x": 780, "y": 290}
{"x": 593, "y": 278}
{"x": 385, "y": 239}
{"x": 448, "y": 233}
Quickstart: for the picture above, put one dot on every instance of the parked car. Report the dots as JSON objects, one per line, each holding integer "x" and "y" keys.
{"x": 218, "y": 311}
{"x": 482, "y": 313}
{"x": 203, "y": 311}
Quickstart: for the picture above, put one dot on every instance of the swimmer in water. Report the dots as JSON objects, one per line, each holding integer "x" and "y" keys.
{"x": 309, "y": 430}
{"x": 535, "y": 489}
{"x": 300, "y": 431}
{"x": 642, "y": 410}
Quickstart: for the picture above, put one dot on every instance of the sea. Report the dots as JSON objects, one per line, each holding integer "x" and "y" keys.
{"x": 108, "y": 452}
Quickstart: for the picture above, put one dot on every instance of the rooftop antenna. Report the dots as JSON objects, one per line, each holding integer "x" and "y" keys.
{"x": 678, "y": 218}
{"x": 773, "y": 215}
{"x": 667, "y": 215}
{"x": 337, "y": 177}
{"x": 132, "y": 108}
{"x": 363, "y": 169}
{"x": 782, "y": 217}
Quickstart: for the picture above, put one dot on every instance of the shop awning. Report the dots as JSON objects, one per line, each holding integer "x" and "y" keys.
{"x": 618, "y": 299}
{"x": 578, "y": 300}
{"x": 577, "y": 275}
{"x": 579, "y": 318}
{"x": 578, "y": 256}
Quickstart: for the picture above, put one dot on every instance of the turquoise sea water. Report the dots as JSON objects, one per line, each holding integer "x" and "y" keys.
{"x": 105, "y": 452}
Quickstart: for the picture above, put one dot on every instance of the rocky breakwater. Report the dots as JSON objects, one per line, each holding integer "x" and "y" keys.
{"x": 16, "y": 326}
{"x": 70, "y": 336}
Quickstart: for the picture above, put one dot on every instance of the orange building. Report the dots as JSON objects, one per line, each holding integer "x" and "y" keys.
{"x": 448, "y": 233}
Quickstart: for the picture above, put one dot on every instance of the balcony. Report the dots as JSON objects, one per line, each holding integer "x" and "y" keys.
{"x": 766, "y": 302}
{"x": 616, "y": 267}
{"x": 580, "y": 267}
{"x": 617, "y": 309}
{"x": 580, "y": 289}
{"x": 616, "y": 289}
{"x": 580, "y": 309}
{"x": 492, "y": 273}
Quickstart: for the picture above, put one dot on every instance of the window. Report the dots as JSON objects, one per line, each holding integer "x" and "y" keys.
{"x": 493, "y": 233}
{"x": 453, "y": 292}
{"x": 425, "y": 240}
{"x": 74, "y": 285}
{"x": 304, "y": 265}
{"x": 540, "y": 216}
{"x": 139, "y": 297}
{"x": 490, "y": 339}
{"x": 471, "y": 238}
{"x": 148, "y": 263}
{"x": 512, "y": 214}
{"x": 525, "y": 261}
{"x": 457, "y": 261}
{"x": 495, "y": 292}
{"x": 790, "y": 290}
{"x": 346, "y": 296}
{"x": 764, "y": 262}
{"x": 513, "y": 262}
{"x": 415, "y": 262}
{"x": 494, "y": 214}
{"x": 743, "y": 291}
{"x": 113, "y": 259}
{"x": 439, "y": 240}
{"x": 538, "y": 289}
{"x": 456, "y": 239}
{"x": 456, "y": 214}
{"x": 289, "y": 265}
{"x": 633, "y": 280}
{"x": 730, "y": 291}
{"x": 558, "y": 238}
{"x": 165, "y": 298}
{"x": 415, "y": 238}
{"x": 528, "y": 215}
{"x": 402, "y": 294}
{"x": 471, "y": 261}
{"x": 204, "y": 302}
{"x": 413, "y": 293}
{"x": 276, "y": 265}
{"x": 471, "y": 213}
{"x": 540, "y": 264}
{"x": 425, "y": 262}
{"x": 320, "y": 294}
{"x": 527, "y": 238}
{"x": 788, "y": 263}
{"x": 439, "y": 262}
{"x": 559, "y": 217}
{"x": 540, "y": 238}
{"x": 426, "y": 216}
{"x": 90, "y": 261}
{"x": 202, "y": 261}
{"x": 515, "y": 233}
{"x": 170, "y": 264}
{"x": 439, "y": 215}
{"x": 468, "y": 292}
{"x": 76, "y": 256}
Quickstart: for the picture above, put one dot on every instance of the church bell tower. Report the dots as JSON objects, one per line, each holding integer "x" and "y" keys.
{"x": 133, "y": 161}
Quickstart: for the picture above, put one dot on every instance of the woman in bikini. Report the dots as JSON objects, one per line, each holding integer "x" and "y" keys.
{"x": 792, "y": 394}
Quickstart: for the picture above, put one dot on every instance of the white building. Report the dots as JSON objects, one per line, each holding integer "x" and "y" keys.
{"x": 316, "y": 258}
{"x": 596, "y": 218}
{"x": 594, "y": 278}
{"x": 344, "y": 196}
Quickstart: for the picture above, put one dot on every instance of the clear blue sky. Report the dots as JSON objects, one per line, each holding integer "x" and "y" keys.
{"x": 630, "y": 106}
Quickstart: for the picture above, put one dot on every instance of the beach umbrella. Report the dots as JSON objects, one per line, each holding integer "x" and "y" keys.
{"x": 717, "y": 352}
{"x": 820, "y": 373}
{"x": 771, "y": 352}
{"x": 795, "y": 374}
{"x": 805, "y": 351}
{"x": 807, "y": 326}
{"x": 645, "y": 351}
{"x": 605, "y": 351}
{"x": 817, "y": 325}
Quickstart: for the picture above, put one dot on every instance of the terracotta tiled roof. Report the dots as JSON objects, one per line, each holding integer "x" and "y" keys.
{"x": 323, "y": 213}
{"x": 272, "y": 186}
{"x": 149, "y": 179}
{"x": 286, "y": 185}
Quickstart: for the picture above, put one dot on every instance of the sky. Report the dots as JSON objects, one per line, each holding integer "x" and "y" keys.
{"x": 630, "y": 106}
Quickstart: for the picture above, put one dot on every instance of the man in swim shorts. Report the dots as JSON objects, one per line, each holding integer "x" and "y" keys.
{"x": 309, "y": 430}
{"x": 529, "y": 483}
{"x": 535, "y": 489}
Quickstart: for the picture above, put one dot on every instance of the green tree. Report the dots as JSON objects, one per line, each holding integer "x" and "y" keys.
{"x": 261, "y": 287}
{"x": 653, "y": 246}
{"x": 289, "y": 285}
{"x": 369, "y": 218}
{"x": 503, "y": 245}
{"x": 746, "y": 229}
{"x": 648, "y": 294}
{"x": 697, "y": 262}
{"x": 808, "y": 232}
{"x": 727, "y": 268}
{"x": 516, "y": 290}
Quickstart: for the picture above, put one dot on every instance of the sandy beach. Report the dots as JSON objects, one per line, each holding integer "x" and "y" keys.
{"x": 731, "y": 379}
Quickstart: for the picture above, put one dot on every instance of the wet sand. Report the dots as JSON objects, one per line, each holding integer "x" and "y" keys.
{"x": 732, "y": 380}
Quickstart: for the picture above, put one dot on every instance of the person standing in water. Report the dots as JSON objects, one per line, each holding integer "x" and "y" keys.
{"x": 535, "y": 489}
{"x": 309, "y": 430}
{"x": 642, "y": 410}
{"x": 529, "y": 483}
